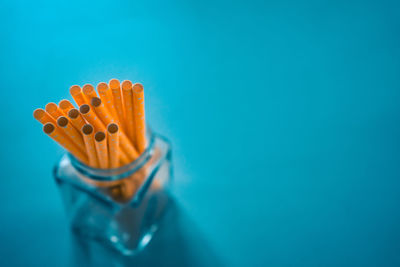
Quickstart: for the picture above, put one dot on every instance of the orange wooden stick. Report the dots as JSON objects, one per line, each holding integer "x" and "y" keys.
{"x": 91, "y": 117}
{"x": 76, "y": 93}
{"x": 127, "y": 147}
{"x": 107, "y": 98}
{"x": 76, "y": 119}
{"x": 71, "y": 132}
{"x": 88, "y": 137}
{"x": 124, "y": 141}
{"x": 57, "y": 135}
{"x": 128, "y": 107}
{"x": 42, "y": 116}
{"x": 53, "y": 110}
{"x": 116, "y": 92}
{"x": 123, "y": 158}
{"x": 113, "y": 145}
{"x": 140, "y": 122}
{"x": 100, "y": 142}
{"x": 88, "y": 92}
{"x": 65, "y": 106}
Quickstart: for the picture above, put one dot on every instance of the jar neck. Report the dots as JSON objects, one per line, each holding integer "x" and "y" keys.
{"x": 115, "y": 173}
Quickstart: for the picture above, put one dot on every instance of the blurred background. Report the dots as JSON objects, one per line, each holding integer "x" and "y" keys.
{"x": 284, "y": 118}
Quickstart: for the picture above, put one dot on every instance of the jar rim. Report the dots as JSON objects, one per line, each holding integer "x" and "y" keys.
{"x": 119, "y": 173}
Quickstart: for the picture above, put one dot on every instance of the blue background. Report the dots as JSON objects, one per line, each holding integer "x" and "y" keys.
{"x": 284, "y": 118}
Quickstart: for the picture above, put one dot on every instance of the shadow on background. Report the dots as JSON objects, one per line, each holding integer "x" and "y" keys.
{"x": 178, "y": 242}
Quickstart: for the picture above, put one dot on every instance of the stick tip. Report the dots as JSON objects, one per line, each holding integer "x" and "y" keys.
{"x": 95, "y": 102}
{"x": 102, "y": 88}
{"x": 138, "y": 88}
{"x": 75, "y": 90}
{"x": 73, "y": 113}
{"x": 126, "y": 85}
{"x": 112, "y": 128}
{"x": 85, "y": 108}
{"x": 38, "y": 113}
{"x": 62, "y": 121}
{"x": 114, "y": 84}
{"x": 48, "y": 128}
{"x": 87, "y": 129}
{"x": 99, "y": 136}
{"x": 51, "y": 107}
{"x": 87, "y": 89}
{"x": 64, "y": 104}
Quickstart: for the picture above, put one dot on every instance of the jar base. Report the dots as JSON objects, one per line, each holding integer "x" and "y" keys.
{"x": 113, "y": 244}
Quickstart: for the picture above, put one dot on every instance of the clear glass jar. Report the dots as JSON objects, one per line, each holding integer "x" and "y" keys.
{"x": 121, "y": 207}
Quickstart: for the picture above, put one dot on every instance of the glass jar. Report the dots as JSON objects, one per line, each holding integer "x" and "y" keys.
{"x": 121, "y": 207}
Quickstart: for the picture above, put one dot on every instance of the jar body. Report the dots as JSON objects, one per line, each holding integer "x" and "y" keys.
{"x": 122, "y": 208}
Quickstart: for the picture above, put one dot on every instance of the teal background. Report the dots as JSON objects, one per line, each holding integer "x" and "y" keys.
{"x": 284, "y": 118}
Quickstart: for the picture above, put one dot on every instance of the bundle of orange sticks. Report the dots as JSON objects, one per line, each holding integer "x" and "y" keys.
{"x": 107, "y": 129}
